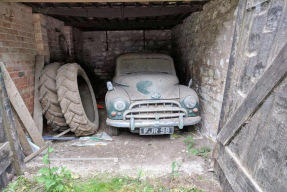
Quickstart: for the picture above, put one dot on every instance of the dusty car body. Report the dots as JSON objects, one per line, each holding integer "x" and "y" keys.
{"x": 145, "y": 96}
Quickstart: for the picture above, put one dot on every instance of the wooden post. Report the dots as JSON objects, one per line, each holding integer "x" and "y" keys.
{"x": 37, "y": 115}
{"x": 9, "y": 128}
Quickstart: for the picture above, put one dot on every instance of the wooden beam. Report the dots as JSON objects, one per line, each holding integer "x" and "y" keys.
{"x": 28, "y": 158}
{"x": 117, "y": 12}
{"x": 20, "y": 107}
{"x": 27, "y": 150}
{"x": 233, "y": 55}
{"x": 236, "y": 174}
{"x": 125, "y": 25}
{"x": 276, "y": 72}
{"x": 38, "y": 115}
{"x": 97, "y": 1}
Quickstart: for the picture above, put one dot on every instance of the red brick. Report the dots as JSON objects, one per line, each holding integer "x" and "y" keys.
{"x": 13, "y": 75}
{"x": 3, "y": 50}
{"x": 3, "y": 36}
{"x": 11, "y": 37}
{"x": 6, "y": 25}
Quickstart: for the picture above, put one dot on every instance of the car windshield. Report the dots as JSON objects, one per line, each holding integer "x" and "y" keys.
{"x": 145, "y": 65}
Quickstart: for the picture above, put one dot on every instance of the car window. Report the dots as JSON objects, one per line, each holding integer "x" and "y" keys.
{"x": 145, "y": 65}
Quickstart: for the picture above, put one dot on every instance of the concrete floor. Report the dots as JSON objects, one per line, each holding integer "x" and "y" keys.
{"x": 129, "y": 153}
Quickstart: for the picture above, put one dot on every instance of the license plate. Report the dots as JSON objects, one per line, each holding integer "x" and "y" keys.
{"x": 156, "y": 130}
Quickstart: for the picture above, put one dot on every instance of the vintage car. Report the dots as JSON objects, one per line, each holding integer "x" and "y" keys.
{"x": 145, "y": 96}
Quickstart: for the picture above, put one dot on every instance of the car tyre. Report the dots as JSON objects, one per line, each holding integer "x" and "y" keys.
{"x": 114, "y": 131}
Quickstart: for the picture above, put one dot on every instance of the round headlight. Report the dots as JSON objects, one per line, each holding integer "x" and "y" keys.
{"x": 119, "y": 104}
{"x": 190, "y": 102}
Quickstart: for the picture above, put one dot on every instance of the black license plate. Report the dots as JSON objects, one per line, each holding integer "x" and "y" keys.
{"x": 156, "y": 130}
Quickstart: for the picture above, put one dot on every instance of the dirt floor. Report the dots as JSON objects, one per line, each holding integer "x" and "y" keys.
{"x": 130, "y": 154}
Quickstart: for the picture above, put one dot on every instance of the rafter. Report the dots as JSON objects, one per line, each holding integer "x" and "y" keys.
{"x": 116, "y": 12}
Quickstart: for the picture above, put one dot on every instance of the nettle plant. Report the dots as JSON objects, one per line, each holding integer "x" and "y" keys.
{"x": 55, "y": 179}
{"x": 203, "y": 151}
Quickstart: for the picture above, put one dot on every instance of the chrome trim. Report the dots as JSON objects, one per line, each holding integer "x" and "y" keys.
{"x": 165, "y": 111}
{"x": 154, "y": 102}
{"x": 161, "y": 123}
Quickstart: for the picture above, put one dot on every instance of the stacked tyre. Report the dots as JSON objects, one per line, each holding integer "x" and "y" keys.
{"x": 68, "y": 100}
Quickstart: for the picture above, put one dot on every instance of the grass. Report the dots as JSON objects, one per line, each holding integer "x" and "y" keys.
{"x": 100, "y": 183}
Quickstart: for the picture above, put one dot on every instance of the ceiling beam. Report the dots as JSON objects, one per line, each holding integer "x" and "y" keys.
{"x": 94, "y": 1}
{"x": 117, "y": 12}
{"x": 125, "y": 25}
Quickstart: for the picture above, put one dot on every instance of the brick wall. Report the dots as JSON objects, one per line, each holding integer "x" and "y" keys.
{"x": 78, "y": 44}
{"x": 41, "y": 36}
{"x": 202, "y": 46}
{"x": 100, "y": 50}
{"x": 18, "y": 47}
{"x": 55, "y": 28}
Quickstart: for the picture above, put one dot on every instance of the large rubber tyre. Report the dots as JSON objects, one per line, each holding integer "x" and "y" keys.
{"x": 77, "y": 99}
{"x": 49, "y": 98}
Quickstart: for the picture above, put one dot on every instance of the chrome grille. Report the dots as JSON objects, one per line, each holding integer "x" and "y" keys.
{"x": 154, "y": 109}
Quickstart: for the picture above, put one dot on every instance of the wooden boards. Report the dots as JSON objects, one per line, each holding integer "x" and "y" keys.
{"x": 28, "y": 158}
{"x": 37, "y": 115}
{"x": 27, "y": 150}
{"x": 21, "y": 109}
{"x": 235, "y": 172}
{"x": 270, "y": 79}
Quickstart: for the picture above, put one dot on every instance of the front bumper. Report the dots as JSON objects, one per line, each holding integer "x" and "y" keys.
{"x": 154, "y": 123}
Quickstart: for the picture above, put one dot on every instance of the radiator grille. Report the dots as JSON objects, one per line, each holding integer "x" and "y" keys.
{"x": 154, "y": 110}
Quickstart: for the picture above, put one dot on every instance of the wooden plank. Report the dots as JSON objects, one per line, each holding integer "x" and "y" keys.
{"x": 233, "y": 55}
{"x": 126, "y": 25}
{"x": 236, "y": 174}
{"x": 9, "y": 127}
{"x": 20, "y": 107}
{"x": 63, "y": 133}
{"x": 27, "y": 150}
{"x": 28, "y": 158}
{"x": 38, "y": 115}
{"x": 98, "y": 1}
{"x": 117, "y": 12}
{"x": 265, "y": 85}
{"x": 5, "y": 156}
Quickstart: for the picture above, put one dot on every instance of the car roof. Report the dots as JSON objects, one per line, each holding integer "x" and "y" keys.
{"x": 143, "y": 56}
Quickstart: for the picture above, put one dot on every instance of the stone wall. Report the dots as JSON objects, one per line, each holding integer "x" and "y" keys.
{"x": 18, "y": 47}
{"x": 201, "y": 49}
{"x": 100, "y": 50}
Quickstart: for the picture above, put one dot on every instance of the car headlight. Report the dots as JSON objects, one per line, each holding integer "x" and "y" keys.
{"x": 190, "y": 102}
{"x": 119, "y": 104}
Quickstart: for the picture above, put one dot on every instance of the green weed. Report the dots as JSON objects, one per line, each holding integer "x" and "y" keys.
{"x": 175, "y": 169}
{"x": 203, "y": 151}
{"x": 54, "y": 178}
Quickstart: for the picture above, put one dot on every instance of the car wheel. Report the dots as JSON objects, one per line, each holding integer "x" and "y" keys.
{"x": 114, "y": 131}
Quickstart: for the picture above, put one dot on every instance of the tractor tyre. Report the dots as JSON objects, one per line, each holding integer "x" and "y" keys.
{"x": 49, "y": 98}
{"x": 77, "y": 99}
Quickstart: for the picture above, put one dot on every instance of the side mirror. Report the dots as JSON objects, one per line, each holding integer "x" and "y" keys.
{"x": 189, "y": 83}
{"x": 110, "y": 86}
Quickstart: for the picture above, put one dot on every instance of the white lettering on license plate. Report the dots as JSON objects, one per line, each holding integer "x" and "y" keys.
{"x": 156, "y": 131}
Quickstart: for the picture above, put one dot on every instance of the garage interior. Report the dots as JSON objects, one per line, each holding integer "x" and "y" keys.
{"x": 225, "y": 46}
